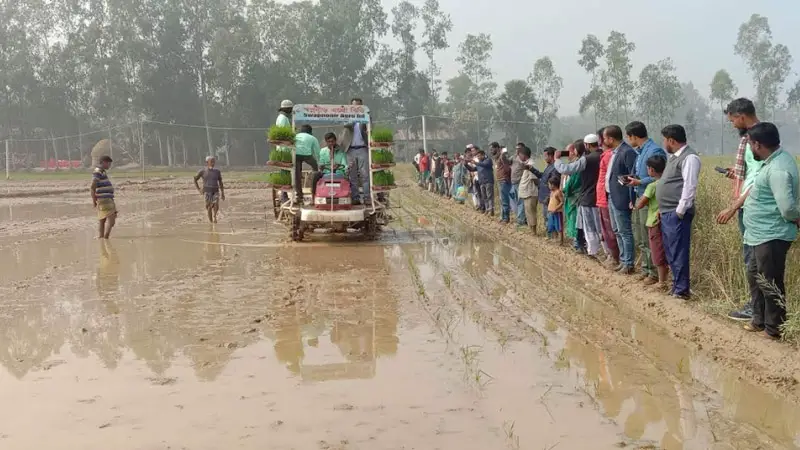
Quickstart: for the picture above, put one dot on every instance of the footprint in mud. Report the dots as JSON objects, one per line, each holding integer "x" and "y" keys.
{"x": 47, "y": 365}
{"x": 162, "y": 381}
{"x": 342, "y": 445}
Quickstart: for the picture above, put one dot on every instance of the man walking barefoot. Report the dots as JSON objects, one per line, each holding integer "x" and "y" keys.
{"x": 212, "y": 187}
{"x": 103, "y": 198}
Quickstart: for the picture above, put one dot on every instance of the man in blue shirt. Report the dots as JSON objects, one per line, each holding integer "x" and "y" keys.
{"x": 544, "y": 178}
{"x": 645, "y": 148}
{"x": 621, "y": 195}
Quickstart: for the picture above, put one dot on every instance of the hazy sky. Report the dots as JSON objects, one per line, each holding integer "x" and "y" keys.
{"x": 698, "y": 35}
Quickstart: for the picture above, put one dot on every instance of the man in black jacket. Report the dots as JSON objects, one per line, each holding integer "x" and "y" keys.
{"x": 588, "y": 213}
{"x": 622, "y": 195}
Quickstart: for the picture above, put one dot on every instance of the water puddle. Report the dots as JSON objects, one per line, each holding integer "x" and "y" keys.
{"x": 179, "y": 333}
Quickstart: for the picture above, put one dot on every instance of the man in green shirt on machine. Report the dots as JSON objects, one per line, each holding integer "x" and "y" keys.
{"x": 332, "y": 160}
{"x": 306, "y": 149}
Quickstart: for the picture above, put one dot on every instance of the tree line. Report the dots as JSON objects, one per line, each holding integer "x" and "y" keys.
{"x": 72, "y": 66}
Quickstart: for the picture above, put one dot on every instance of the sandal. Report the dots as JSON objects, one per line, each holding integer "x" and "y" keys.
{"x": 752, "y": 328}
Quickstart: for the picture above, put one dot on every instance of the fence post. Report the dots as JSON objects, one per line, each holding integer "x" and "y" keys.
{"x": 110, "y": 144}
{"x": 424, "y": 136}
{"x": 141, "y": 145}
{"x": 8, "y": 162}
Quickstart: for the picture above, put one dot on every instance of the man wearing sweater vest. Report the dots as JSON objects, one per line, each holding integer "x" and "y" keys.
{"x": 676, "y": 191}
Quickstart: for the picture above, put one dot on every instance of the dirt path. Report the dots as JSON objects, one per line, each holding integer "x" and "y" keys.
{"x": 177, "y": 334}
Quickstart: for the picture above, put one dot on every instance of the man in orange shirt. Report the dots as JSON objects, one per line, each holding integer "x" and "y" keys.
{"x": 609, "y": 239}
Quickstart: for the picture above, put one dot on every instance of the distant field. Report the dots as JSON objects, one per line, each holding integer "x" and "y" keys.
{"x": 245, "y": 174}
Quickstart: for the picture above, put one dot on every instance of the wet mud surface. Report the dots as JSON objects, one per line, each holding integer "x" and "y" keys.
{"x": 178, "y": 334}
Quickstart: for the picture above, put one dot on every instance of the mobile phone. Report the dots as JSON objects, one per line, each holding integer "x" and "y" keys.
{"x": 622, "y": 179}
{"x": 721, "y": 170}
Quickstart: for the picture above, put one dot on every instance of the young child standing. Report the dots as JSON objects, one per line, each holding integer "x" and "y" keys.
{"x": 655, "y": 168}
{"x": 555, "y": 209}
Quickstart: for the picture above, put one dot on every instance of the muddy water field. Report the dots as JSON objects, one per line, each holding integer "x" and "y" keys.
{"x": 448, "y": 332}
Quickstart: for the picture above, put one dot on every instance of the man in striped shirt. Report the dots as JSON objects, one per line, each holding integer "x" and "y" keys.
{"x": 103, "y": 197}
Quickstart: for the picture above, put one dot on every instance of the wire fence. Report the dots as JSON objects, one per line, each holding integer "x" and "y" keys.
{"x": 150, "y": 143}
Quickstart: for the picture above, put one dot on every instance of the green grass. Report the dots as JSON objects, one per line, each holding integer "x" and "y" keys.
{"x": 86, "y": 173}
{"x": 382, "y": 134}
{"x": 150, "y": 173}
{"x": 277, "y": 133}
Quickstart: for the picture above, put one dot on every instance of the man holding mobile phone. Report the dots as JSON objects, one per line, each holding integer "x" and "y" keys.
{"x": 622, "y": 195}
{"x": 742, "y": 115}
{"x": 637, "y": 136}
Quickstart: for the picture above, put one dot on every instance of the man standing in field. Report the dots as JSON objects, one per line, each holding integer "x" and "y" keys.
{"x": 771, "y": 217}
{"x": 742, "y": 115}
{"x": 212, "y": 187}
{"x": 103, "y": 197}
{"x": 544, "y": 181}
{"x": 527, "y": 191}
{"x": 640, "y": 179}
{"x": 675, "y": 193}
{"x": 621, "y": 195}
{"x": 503, "y": 177}
{"x": 588, "y": 218}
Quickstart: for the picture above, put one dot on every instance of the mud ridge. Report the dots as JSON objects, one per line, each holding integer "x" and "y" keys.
{"x": 776, "y": 366}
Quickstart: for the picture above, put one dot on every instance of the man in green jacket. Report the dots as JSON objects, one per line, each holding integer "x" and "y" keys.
{"x": 332, "y": 160}
{"x": 306, "y": 148}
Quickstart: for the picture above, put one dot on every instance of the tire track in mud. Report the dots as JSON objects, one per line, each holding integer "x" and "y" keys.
{"x": 598, "y": 322}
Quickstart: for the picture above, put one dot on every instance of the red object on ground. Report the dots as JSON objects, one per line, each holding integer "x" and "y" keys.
{"x": 333, "y": 191}
{"x": 60, "y": 164}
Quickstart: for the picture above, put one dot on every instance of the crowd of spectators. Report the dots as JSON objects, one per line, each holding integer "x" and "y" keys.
{"x": 628, "y": 202}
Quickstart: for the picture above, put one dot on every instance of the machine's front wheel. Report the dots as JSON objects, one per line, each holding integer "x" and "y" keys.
{"x": 276, "y": 203}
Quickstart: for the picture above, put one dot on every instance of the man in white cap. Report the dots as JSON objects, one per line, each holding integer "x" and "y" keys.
{"x": 588, "y": 166}
{"x": 285, "y": 114}
{"x": 284, "y": 120}
{"x": 212, "y": 187}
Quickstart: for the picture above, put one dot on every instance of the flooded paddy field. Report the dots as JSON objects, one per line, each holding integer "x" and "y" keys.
{"x": 176, "y": 334}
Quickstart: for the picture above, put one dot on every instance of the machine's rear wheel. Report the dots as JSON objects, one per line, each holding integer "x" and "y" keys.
{"x": 297, "y": 229}
{"x": 371, "y": 228}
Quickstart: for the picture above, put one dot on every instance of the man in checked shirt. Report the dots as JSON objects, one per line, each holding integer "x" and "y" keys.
{"x": 742, "y": 115}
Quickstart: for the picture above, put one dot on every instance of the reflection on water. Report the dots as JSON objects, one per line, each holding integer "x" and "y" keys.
{"x": 350, "y": 308}
{"x": 653, "y": 403}
{"x": 158, "y": 298}
{"x": 331, "y": 312}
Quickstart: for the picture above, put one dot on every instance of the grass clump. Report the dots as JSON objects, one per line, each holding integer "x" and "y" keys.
{"x": 280, "y": 155}
{"x": 281, "y": 178}
{"x": 382, "y": 156}
{"x": 383, "y": 178}
{"x": 382, "y": 135}
{"x": 282, "y": 134}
